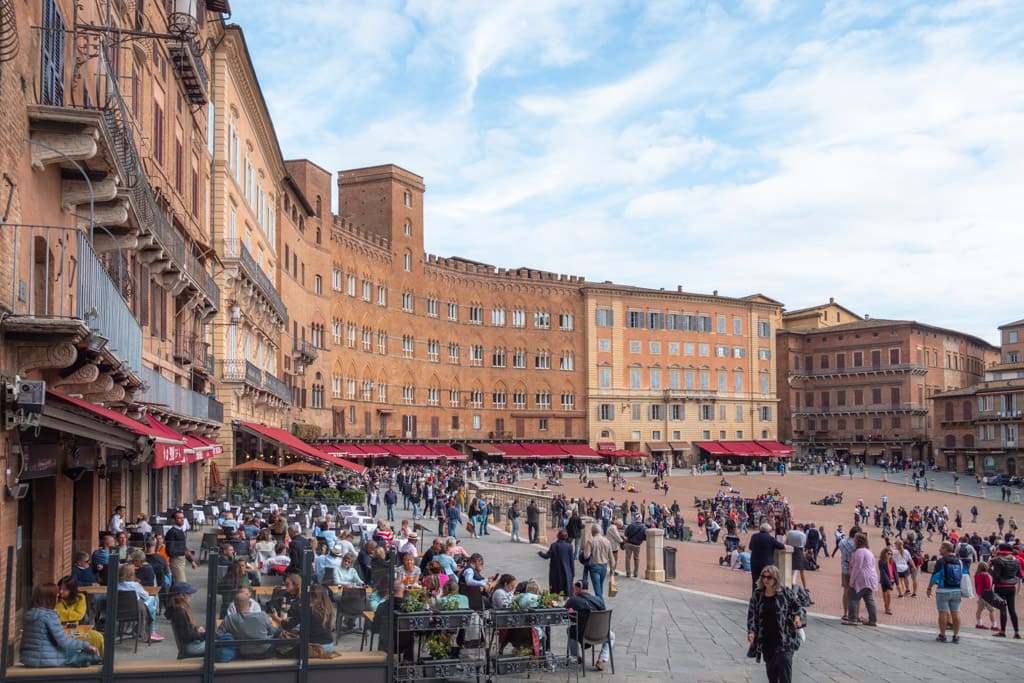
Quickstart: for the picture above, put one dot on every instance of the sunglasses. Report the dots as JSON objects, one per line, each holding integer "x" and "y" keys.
{"x": 768, "y": 576}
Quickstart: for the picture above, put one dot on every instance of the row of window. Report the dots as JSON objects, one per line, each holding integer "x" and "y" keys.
{"x": 366, "y": 390}
{"x": 655, "y": 435}
{"x": 876, "y": 395}
{"x": 677, "y": 412}
{"x": 680, "y": 380}
{"x": 660, "y": 320}
{"x": 859, "y": 423}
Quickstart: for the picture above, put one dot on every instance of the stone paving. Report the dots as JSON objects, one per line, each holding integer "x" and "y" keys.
{"x": 664, "y": 633}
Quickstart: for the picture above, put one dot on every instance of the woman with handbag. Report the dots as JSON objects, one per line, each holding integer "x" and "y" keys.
{"x": 773, "y": 617}
{"x": 987, "y": 598}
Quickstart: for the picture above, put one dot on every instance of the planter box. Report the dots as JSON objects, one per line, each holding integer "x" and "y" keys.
{"x": 440, "y": 668}
{"x": 534, "y": 617}
{"x": 414, "y": 621}
{"x": 513, "y": 664}
{"x": 429, "y": 620}
{"x": 453, "y": 619}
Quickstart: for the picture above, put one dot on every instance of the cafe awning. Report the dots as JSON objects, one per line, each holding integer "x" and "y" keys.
{"x": 77, "y": 416}
{"x": 712, "y": 447}
{"x": 488, "y": 448}
{"x": 546, "y": 450}
{"x": 170, "y": 453}
{"x": 653, "y": 446}
{"x": 447, "y": 452}
{"x": 294, "y": 444}
{"x": 515, "y": 451}
{"x": 579, "y": 450}
{"x": 606, "y": 445}
{"x": 679, "y": 446}
{"x": 777, "y": 450}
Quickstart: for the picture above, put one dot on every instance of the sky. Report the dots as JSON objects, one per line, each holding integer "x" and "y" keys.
{"x": 867, "y": 150}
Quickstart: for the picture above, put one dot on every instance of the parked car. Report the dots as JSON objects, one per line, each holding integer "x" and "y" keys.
{"x": 997, "y": 480}
{"x": 1017, "y": 481}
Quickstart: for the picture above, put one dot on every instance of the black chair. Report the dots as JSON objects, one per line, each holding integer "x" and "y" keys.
{"x": 208, "y": 544}
{"x": 596, "y": 634}
{"x": 129, "y": 620}
{"x": 353, "y": 604}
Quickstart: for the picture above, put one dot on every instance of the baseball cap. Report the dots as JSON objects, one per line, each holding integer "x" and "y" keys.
{"x": 182, "y": 587}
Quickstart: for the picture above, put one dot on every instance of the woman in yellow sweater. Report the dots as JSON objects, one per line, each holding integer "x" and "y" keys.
{"x": 71, "y": 609}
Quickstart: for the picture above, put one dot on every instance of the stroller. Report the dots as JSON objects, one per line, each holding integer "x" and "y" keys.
{"x": 732, "y": 541}
{"x": 809, "y": 563}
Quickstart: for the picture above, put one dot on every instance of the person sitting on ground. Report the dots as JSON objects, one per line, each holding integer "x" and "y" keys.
{"x": 43, "y": 641}
{"x": 72, "y": 608}
{"x": 189, "y": 637}
{"x": 244, "y": 624}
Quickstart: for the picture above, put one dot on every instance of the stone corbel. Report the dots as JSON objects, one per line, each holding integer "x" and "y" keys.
{"x": 86, "y": 374}
{"x": 114, "y": 394}
{"x": 102, "y": 384}
{"x": 79, "y": 146}
{"x": 76, "y": 191}
{"x": 57, "y": 356}
{"x": 174, "y": 281}
{"x": 107, "y": 213}
{"x": 102, "y": 242}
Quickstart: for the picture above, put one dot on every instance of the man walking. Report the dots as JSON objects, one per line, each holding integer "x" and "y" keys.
{"x": 839, "y": 536}
{"x": 597, "y": 555}
{"x": 390, "y": 498}
{"x": 177, "y": 548}
{"x": 974, "y": 514}
{"x": 762, "y": 551}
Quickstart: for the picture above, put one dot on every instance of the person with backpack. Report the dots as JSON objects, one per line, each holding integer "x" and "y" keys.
{"x": 967, "y": 554}
{"x": 946, "y": 580}
{"x": 1006, "y": 572}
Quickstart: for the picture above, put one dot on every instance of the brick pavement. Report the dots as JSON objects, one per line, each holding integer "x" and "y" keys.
{"x": 665, "y": 633}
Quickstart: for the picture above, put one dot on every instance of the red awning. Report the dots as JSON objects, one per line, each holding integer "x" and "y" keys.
{"x": 488, "y": 448}
{"x": 447, "y": 452}
{"x": 168, "y": 451}
{"x": 580, "y": 458}
{"x": 373, "y": 450}
{"x": 578, "y": 449}
{"x": 198, "y": 448}
{"x": 546, "y": 450}
{"x": 744, "y": 448}
{"x": 606, "y": 445}
{"x": 133, "y": 426}
{"x": 777, "y": 450}
{"x": 712, "y": 447}
{"x": 515, "y": 451}
{"x": 296, "y": 445}
{"x": 331, "y": 450}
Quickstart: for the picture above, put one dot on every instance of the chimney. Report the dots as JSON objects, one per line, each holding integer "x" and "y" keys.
{"x": 831, "y": 299}
{"x": 679, "y": 288}
{"x": 867, "y": 316}
{"x": 714, "y": 293}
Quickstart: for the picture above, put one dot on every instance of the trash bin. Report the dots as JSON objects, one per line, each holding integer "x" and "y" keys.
{"x": 669, "y": 557}
{"x": 687, "y": 533}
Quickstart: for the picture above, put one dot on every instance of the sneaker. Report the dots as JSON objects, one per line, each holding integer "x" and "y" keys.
{"x": 870, "y": 623}
{"x": 981, "y": 626}
{"x": 956, "y": 639}
{"x": 1017, "y": 636}
{"x": 941, "y": 638}
{"x": 850, "y": 622}
{"x": 156, "y": 638}
{"x": 999, "y": 634}
{"x": 889, "y": 612}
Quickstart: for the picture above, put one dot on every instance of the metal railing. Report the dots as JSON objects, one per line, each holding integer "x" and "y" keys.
{"x": 868, "y": 408}
{"x": 179, "y": 399}
{"x": 306, "y": 350}
{"x": 245, "y": 371}
{"x": 56, "y": 274}
{"x": 119, "y": 125}
{"x": 277, "y": 387}
{"x": 698, "y": 394}
{"x": 860, "y": 370}
{"x": 236, "y": 249}
{"x": 191, "y": 350}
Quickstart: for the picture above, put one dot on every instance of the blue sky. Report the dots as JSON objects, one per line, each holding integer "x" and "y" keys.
{"x": 868, "y": 150}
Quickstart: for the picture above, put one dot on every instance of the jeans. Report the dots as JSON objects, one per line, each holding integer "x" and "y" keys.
{"x": 415, "y": 509}
{"x": 633, "y": 551}
{"x": 373, "y": 510}
{"x": 453, "y": 527}
{"x": 532, "y": 531}
{"x": 598, "y": 572}
{"x": 391, "y": 512}
{"x": 515, "y": 530}
{"x": 779, "y": 667}
{"x": 483, "y": 524}
{"x": 574, "y": 647}
{"x": 853, "y": 604}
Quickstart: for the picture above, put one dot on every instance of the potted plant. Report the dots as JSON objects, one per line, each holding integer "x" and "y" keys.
{"x": 517, "y": 663}
{"x": 441, "y": 664}
{"x": 353, "y": 496}
{"x": 449, "y": 615}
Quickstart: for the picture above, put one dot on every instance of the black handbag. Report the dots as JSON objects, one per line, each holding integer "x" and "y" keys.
{"x": 994, "y": 599}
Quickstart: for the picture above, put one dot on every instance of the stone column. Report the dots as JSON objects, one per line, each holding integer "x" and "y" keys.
{"x": 655, "y": 555}
{"x": 982, "y": 489}
{"x": 1016, "y": 497}
{"x": 542, "y": 527}
{"x": 885, "y": 476}
{"x": 784, "y": 561}
{"x": 906, "y": 480}
{"x": 957, "y": 487}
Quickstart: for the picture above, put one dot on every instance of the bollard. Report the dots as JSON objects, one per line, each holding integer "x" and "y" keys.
{"x": 885, "y": 476}
{"x": 906, "y": 480}
{"x": 982, "y": 489}
{"x": 764, "y": 469}
{"x": 957, "y": 487}
{"x": 655, "y": 555}
{"x": 542, "y": 527}
{"x": 784, "y": 561}
{"x": 1016, "y": 497}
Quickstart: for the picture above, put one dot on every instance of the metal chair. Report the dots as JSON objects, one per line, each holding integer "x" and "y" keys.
{"x": 129, "y": 620}
{"x": 209, "y": 543}
{"x": 596, "y": 634}
{"x": 353, "y": 604}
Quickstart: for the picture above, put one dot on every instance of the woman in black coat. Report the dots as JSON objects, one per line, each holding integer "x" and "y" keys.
{"x": 773, "y": 617}
{"x": 575, "y": 530}
{"x": 561, "y": 571}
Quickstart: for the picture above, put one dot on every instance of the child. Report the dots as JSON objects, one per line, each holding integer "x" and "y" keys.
{"x": 983, "y": 583}
{"x": 887, "y": 577}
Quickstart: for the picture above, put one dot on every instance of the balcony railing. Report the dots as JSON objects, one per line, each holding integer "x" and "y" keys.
{"x": 191, "y": 350}
{"x": 179, "y": 399}
{"x": 120, "y": 127}
{"x": 860, "y": 409}
{"x": 188, "y": 62}
{"x": 305, "y": 351}
{"x": 244, "y": 371}
{"x": 54, "y": 273}
{"x": 236, "y": 249}
{"x": 691, "y": 394}
{"x": 914, "y": 368}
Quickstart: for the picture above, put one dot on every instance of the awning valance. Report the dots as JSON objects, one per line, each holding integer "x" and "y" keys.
{"x": 488, "y": 448}
{"x": 292, "y": 443}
